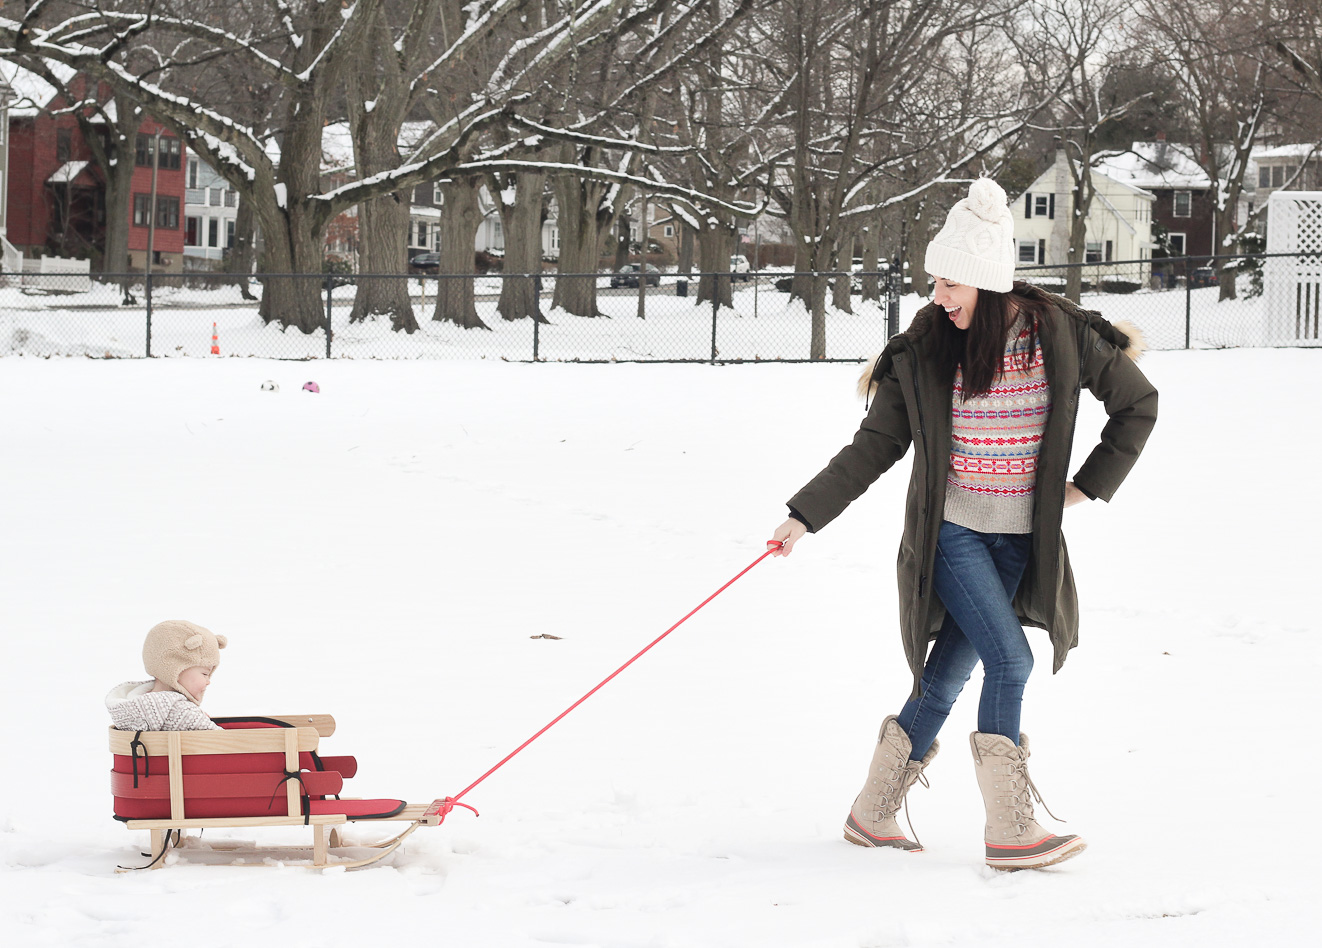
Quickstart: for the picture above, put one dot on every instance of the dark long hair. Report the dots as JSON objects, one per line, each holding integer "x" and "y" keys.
{"x": 980, "y": 349}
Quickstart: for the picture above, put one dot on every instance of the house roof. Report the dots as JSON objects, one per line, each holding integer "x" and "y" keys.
{"x": 31, "y": 92}
{"x": 1157, "y": 165}
{"x": 1292, "y": 152}
{"x": 67, "y": 172}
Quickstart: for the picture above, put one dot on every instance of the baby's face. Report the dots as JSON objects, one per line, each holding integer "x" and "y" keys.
{"x": 195, "y": 680}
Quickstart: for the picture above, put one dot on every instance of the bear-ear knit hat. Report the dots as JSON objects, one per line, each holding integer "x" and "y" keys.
{"x": 976, "y": 246}
{"x": 174, "y": 645}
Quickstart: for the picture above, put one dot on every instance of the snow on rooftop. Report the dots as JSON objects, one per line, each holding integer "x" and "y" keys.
{"x": 31, "y": 92}
{"x": 1298, "y": 151}
{"x": 66, "y": 172}
{"x": 1157, "y": 165}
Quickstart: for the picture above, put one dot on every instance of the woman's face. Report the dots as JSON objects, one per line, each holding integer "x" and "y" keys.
{"x": 958, "y": 300}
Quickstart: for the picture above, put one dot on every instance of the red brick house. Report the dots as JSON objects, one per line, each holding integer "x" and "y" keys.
{"x": 57, "y": 194}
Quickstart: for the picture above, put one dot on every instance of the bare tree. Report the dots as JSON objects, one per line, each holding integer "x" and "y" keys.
{"x": 1085, "y": 44}
{"x": 1214, "y": 51}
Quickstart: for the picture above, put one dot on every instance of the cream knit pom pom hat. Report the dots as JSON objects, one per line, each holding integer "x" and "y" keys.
{"x": 173, "y": 646}
{"x": 976, "y": 246}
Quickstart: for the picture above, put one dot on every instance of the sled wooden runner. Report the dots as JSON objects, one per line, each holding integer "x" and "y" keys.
{"x": 260, "y": 771}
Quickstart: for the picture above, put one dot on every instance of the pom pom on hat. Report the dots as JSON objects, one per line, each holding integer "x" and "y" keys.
{"x": 976, "y": 245}
{"x": 987, "y": 199}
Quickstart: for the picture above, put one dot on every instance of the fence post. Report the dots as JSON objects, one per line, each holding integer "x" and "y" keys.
{"x": 1188, "y": 304}
{"x": 715, "y": 308}
{"x": 537, "y": 317}
{"x": 148, "y": 292}
{"x": 893, "y": 286}
{"x": 329, "y": 286}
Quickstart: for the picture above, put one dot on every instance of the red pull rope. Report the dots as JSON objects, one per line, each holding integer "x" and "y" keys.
{"x": 449, "y": 803}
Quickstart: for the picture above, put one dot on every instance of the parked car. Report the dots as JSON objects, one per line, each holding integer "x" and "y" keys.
{"x": 1202, "y": 276}
{"x": 627, "y": 275}
{"x": 739, "y": 267}
{"x": 425, "y": 263}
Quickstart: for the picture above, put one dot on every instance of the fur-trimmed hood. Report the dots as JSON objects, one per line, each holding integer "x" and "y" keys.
{"x": 1124, "y": 335}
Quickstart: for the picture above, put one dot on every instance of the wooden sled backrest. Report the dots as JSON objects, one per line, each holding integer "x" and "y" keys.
{"x": 177, "y": 744}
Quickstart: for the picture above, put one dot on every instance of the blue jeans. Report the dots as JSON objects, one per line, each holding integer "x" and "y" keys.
{"x": 976, "y": 576}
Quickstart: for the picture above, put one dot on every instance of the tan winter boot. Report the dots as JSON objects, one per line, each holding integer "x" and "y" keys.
{"x": 871, "y": 820}
{"x": 1014, "y": 839}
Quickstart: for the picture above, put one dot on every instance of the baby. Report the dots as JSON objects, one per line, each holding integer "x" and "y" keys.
{"x": 181, "y": 656}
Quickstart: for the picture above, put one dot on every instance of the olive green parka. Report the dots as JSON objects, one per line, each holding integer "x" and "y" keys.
{"x": 912, "y": 405}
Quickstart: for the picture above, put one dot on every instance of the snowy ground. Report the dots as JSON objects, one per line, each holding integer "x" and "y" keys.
{"x": 383, "y": 551}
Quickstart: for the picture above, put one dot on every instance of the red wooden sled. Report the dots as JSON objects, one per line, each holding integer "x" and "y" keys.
{"x": 258, "y": 771}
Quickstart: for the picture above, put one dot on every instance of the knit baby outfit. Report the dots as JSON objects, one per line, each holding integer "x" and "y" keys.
{"x": 133, "y": 706}
{"x": 994, "y": 442}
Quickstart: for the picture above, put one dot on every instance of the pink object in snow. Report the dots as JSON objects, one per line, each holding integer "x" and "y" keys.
{"x": 311, "y": 387}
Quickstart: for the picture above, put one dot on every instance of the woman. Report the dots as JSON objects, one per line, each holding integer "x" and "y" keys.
{"x": 985, "y": 384}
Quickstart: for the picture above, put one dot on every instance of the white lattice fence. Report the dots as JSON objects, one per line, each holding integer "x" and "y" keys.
{"x": 1293, "y": 285}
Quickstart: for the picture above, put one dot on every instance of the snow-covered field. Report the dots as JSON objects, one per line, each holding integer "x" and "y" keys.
{"x": 763, "y": 324}
{"x": 386, "y": 550}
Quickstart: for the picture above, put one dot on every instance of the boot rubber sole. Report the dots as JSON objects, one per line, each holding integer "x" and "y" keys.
{"x": 861, "y": 837}
{"x": 1067, "y": 850}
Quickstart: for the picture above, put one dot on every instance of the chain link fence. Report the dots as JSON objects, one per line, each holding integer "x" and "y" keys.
{"x": 1175, "y": 301}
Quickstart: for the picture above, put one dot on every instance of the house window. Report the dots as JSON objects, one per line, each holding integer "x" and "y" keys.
{"x": 496, "y": 231}
{"x": 213, "y": 232}
{"x": 214, "y": 197}
{"x": 1093, "y": 252}
{"x": 231, "y": 198}
{"x": 670, "y": 230}
{"x": 1264, "y": 177}
{"x": 1040, "y": 205}
{"x": 192, "y": 173}
{"x": 167, "y": 211}
{"x": 229, "y": 233}
{"x": 437, "y": 196}
{"x": 1028, "y": 251}
{"x": 63, "y": 144}
{"x": 1183, "y": 203}
{"x": 421, "y": 240}
{"x": 1177, "y": 244}
{"x": 1278, "y": 175}
{"x": 193, "y": 231}
{"x": 170, "y": 152}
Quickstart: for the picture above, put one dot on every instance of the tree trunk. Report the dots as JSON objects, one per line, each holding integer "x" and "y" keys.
{"x": 871, "y": 241}
{"x": 460, "y": 218}
{"x": 383, "y": 227}
{"x": 687, "y": 238}
{"x": 714, "y": 265}
{"x": 240, "y": 259}
{"x": 294, "y": 231}
{"x": 622, "y": 242}
{"x": 918, "y": 239}
{"x": 119, "y": 207}
{"x": 1225, "y": 224}
{"x": 522, "y": 222}
{"x": 844, "y": 276}
{"x": 817, "y": 305}
{"x": 580, "y": 246}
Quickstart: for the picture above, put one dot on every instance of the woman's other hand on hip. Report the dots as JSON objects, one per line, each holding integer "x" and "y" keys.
{"x": 787, "y": 534}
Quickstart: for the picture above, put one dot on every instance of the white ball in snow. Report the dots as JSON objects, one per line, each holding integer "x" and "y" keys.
{"x": 269, "y": 386}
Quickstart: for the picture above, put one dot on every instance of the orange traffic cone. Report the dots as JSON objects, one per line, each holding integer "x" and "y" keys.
{"x": 215, "y": 343}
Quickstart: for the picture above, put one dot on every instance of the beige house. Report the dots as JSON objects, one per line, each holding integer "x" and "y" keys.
{"x": 1119, "y": 221}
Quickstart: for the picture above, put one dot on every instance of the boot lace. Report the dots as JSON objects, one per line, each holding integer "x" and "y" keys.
{"x": 1023, "y": 792}
{"x": 904, "y": 777}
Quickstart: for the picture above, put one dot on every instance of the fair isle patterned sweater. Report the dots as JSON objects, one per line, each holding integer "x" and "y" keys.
{"x": 994, "y": 442}
{"x": 133, "y": 706}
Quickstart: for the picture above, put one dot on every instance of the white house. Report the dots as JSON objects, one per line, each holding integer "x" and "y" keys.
{"x": 1119, "y": 221}
{"x": 210, "y": 209}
